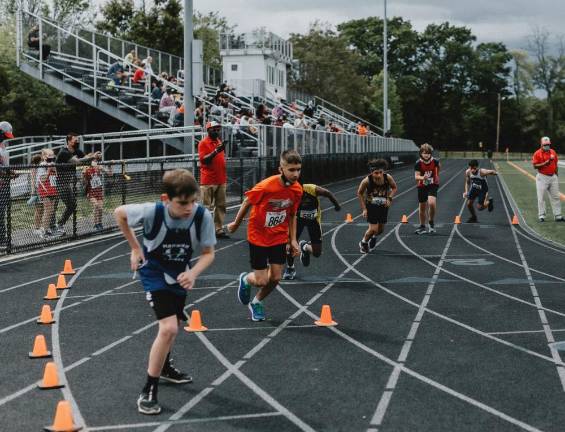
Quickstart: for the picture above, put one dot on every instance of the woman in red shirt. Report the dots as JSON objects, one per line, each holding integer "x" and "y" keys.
{"x": 94, "y": 184}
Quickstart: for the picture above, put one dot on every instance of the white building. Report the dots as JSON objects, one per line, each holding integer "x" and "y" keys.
{"x": 256, "y": 63}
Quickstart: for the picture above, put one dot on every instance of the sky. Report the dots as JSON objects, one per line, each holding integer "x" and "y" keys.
{"x": 508, "y": 21}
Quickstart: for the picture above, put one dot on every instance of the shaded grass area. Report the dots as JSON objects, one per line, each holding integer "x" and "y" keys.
{"x": 523, "y": 190}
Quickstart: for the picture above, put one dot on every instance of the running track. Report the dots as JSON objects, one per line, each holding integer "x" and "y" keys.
{"x": 449, "y": 332}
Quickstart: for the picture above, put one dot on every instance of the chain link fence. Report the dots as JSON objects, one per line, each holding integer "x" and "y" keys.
{"x": 34, "y": 208}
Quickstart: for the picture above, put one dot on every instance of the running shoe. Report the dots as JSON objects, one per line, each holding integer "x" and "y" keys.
{"x": 559, "y": 219}
{"x": 490, "y": 205}
{"x": 541, "y": 219}
{"x": 304, "y": 254}
{"x": 472, "y": 219}
{"x": 421, "y": 230}
{"x": 289, "y": 273}
{"x": 372, "y": 243}
{"x": 431, "y": 229}
{"x": 243, "y": 292}
{"x": 147, "y": 403}
{"x": 363, "y": 247}
{"x": 257, "y": 311}
{"x": 171, "y": 374}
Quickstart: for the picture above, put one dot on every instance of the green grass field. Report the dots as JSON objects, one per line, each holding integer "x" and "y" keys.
{"x": 523, "y": 190}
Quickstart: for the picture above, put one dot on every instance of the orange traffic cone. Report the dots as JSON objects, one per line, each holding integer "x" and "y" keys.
{"x": 46, "y": 317}
{"x": 195, "y": 323}
{"x": 50, "y": 378}
{"x": 457, "y": 220}
{"x": 39, "y": 348}
{"x": 348, "y": 218}
{"x": 68, "y": 268}
{"x": 325, "y": 318}
{"x": 51, "y": 293}
{"x": 404, "y": 219}
{"x": 515, "y": 220}
{"x": 63, "y": 419}
{"x": 61, "y": 282}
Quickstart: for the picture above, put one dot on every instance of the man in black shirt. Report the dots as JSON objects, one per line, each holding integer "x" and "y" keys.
{"x": 67, "y": 160}
{"x": 33, "y": 42}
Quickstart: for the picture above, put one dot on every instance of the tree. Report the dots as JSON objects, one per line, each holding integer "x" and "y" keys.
{"x": 66, "y": 13}
{"x": 394, "y": 103}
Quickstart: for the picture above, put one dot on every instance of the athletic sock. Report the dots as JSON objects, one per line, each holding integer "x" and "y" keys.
{"x": 431, "y": 223}
{"x": 151, "y": 382}
{"x": 255, "y": 300}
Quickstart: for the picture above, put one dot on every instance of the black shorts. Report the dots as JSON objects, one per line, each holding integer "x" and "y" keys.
{"x": 166, "y": 303}
{"x": 261, "y": 256}
{"x": 427, "y": 191}
{"x": 481, "y": 194}
{"x": 377, "y": 214}
{"x": 313, "y": 227}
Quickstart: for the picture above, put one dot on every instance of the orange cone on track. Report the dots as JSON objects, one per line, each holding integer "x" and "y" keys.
{"x": 404, "y": 219}
{"x": 68, "y": 268}
{"x": 50, "y": 378}
{"x": 61, "y": 282}
{"x": 325, "y": 317}
{"x": 195, "y": 323}
{"x": 515, "y": 220}
{"x": 39, "y": 348}
{"x": 348, "y": 218}
{"x": 46, "y": 317}
{"x": 51, "y": 293}
{"x": 457, "y": 220}
{"x": 63, "y": 421}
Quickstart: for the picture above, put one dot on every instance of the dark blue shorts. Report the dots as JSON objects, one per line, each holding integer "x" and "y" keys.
{"x": 479, "y": 194}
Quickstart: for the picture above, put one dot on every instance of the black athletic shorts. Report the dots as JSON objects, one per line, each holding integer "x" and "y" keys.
{"x": 262, "y": 256}
{"x": 481, "y": 194}
{"x": 377, "y": 214}
{"x": 313, "y": 227}
{"x": 426, "y": 191}
{"x": 166, "y": 303}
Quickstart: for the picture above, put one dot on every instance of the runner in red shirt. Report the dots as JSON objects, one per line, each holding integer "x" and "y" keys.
{"x": 272, "y": 225}
{"x": 94, "y": 184}
{"x": 427, "y": 182}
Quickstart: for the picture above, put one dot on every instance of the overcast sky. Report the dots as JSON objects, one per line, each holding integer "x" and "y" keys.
{"x": 508, "y": 21}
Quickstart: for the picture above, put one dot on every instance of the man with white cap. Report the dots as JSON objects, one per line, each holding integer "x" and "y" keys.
{"x": 5, "y": 175}
{"x": 546, "y": 162}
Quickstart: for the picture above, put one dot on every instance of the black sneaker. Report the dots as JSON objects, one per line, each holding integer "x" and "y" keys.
{"x": 421, "y": 230}
{"x": 559, "y": 219}
{"x": 490, "y": 205}
{"x": 472, "y": 219}
{"x": 173, "y": 375}
{"x": 147, "y": 403}
{"x": 372, "y": 243}
{"x": 363, "y": 247}
{"x": 304, "y": 254}
{"x": 289, "y": 273}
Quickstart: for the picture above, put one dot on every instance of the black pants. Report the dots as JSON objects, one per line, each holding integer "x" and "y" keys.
{"x": 46, "y": 50}
{"x": 4, "y": 197}
{"x": 67, "y": 195}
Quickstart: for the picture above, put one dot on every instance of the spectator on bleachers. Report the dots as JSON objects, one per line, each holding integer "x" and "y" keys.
{"x": 352, "y": 127}
{"x": 300, "y": 122}
{"x": 148, "y": 66}
{"x": 277, "y": 111}
{"x": 362, "y": 129}
{"x": 156, "y": 90}
{"x": 287, "y": 124}
{"x": 262, "y": 115}
{"x": 130, "y": 59}
{"x": 33, "y": 42}
{"x": 199, "y": 113}
{"x": 309, "y": 110}
{"x": 278, "y": 121}
{"x": 139, "y": 73}
{"x": 246, "y": 123}
{"x": 167, "y": 105}
{"x": 332, "y": 127}
{"x": 34, "y": 200}
{"x": 116, "y": 73}
{"x": 321, "y": 125}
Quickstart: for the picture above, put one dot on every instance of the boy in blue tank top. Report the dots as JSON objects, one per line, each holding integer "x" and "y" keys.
{"x": 172, "y": 230}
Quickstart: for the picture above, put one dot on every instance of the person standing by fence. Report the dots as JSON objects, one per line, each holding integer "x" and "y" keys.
{"x": 67, "y": 160}
{"x": 5, "y": 175}
{"x": 546, "y": 162}
{"x": 213, "y": 178}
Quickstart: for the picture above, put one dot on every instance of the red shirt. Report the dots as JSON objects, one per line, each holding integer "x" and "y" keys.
{"x": 215, "y": 172}
{"x": 138, "y": 75}
{"x": 431, "y": 168}
{"x": 541, "y": 156}
{"x": 94, "y": 184}
{"x": 273, "y": 204}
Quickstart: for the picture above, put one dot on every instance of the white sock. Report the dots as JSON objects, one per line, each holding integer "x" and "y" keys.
{"x": 255, "y": 300}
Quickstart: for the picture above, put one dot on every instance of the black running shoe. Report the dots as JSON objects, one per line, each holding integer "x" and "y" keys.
{"x": 363, "y": 247}
{"x": 147, "y": 403}
{"x": 472, "y": 219}
{"x": 304, "y": 254}
{"x": 372, "y": 243}
{"x": 421, "y": 230}
{"x": 490, "y": 205}
{"x": 173, "y": 375}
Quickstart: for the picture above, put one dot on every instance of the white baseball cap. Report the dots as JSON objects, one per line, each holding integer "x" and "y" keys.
{"x": 545, "y": 140}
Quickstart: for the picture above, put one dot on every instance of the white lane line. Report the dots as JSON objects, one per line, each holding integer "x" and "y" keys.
{"x": 402, "y": 368}
{"x": 260, "y": 328}
{"x": 382, "y": 405}
{"x": 112, "y": 345}
{"x": 518, "y": 332}
{"x": 187, "y": 421}
{"x": 541, "y": 313}
{"x": 487, "y": 252}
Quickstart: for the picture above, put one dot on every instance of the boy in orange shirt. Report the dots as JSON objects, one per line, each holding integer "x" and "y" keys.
{"x": 272, "y": 225}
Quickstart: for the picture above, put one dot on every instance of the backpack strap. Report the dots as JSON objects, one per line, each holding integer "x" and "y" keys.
{"x": 157, "y": 221}
{"x": 198, "y": 217}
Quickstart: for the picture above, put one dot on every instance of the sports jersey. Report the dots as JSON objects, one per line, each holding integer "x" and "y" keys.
{"x": 477, "y": 181}
{"x": 431, "y": 168}
{"x": 541, "y": 156}
{"x": 94, "y": 183}
{"x": 273, "y": 204}
{"x": 310, "y": 208}
{"x": 376, "y": 194}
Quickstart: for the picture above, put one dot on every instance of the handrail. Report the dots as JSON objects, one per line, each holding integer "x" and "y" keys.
{"x": 348, "y": 113}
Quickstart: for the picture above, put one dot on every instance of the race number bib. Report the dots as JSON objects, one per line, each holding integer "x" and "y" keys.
{"x": 308, "y": 214}
{"x": 476, "y": 186}
{"x": 273, "y": 219}
{"x": 53, "y": 181}
{"x": 428, "y": 181}
{"x": 378, "y": 200}
{"x": 95, "y": 182}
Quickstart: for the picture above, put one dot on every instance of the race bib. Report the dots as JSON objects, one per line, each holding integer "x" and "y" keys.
{"x": 378, "y": 200}
{"x": 476, "y": 186}
{"x": 308, "y": 214}
{"x": 53, "y": 181}
{"x": 428, "y": 181}
{"x": 273, "y": 219}
{"x": 95, "y": 182}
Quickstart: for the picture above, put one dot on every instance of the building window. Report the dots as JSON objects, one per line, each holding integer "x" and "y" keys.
{"x": 234, "y": 67}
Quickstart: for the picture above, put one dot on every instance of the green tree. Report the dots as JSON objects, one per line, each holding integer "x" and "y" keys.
{"x": 394, "y": 104}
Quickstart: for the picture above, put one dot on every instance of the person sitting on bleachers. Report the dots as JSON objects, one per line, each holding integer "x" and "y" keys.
{"x": 362, "y": 129}
{"x": 300, "y": 122}
{"x": 156, "y": 90}
{"x": 309, "y": 110}
{"x": 129, "y": 59}
{"x": 167, "y": 104}
{"x": 262, "y": 115}
{"x": 321, "y": 125}
{"x": 148, "y": 69}
{"x": 139, "y": 72}
{"x": 332, "y": 127}
{"x": 277, "y": 111}
{"x": 116, "y": 73}
{"x": 246, "y": 123}
{"x": 33, "y": 42}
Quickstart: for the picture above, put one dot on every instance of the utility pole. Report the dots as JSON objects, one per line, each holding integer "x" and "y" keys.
{"x": 385, "y": 74}
{"x": 188, "y": 90}
{"x": 498, "y": 123}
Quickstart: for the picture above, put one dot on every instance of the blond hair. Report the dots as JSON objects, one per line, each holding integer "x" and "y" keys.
{"x": 426, "y": 148}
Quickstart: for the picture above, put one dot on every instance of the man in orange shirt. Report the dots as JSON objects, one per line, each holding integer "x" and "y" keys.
{"x": 545, "y": 161}
{"x": 272, "y": 225}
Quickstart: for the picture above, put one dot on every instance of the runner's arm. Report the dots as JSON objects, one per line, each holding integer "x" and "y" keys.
{"x": 466, "y": 190}
{"x": 137, "y": 257}
{"x": 486, "y": 172}
{"x": 361, "y": 194}
{"x": 232, "y": 227}
{"x": 326, "y": 193}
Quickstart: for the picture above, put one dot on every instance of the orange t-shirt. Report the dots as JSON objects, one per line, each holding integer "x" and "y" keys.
{"x": 273, "y": 204}
{"x": 541, "y": 156}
